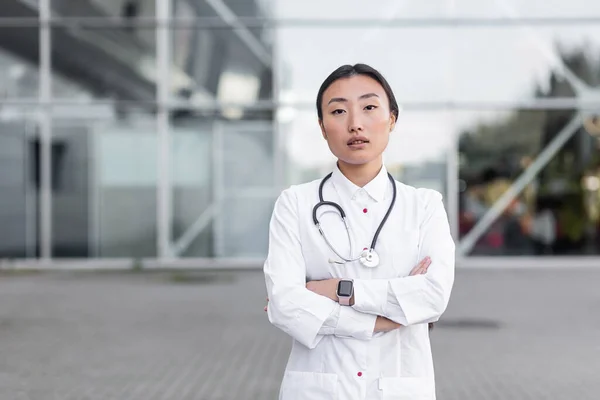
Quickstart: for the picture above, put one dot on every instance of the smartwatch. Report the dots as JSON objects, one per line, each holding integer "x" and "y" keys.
{"x": 344, "y": 291}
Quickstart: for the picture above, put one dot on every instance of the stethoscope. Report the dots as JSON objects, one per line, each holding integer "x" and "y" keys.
{"x": 368, "y": 257}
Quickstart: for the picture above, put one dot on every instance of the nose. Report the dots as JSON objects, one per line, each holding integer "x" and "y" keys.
{"x": 354, "y": 123}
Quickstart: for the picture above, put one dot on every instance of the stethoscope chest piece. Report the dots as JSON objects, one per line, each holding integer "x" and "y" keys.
{"x": 369, "y": 258}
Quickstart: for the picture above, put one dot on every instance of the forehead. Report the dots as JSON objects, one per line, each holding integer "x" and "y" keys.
{"x": 352, "y": 87}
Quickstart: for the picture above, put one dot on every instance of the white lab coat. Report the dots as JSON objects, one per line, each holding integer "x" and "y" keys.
{"x": 335, "y": 354}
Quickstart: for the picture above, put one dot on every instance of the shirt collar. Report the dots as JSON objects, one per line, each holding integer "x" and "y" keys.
{"x": 376, "y": 188}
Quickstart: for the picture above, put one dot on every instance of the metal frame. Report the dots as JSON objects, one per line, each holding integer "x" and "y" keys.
{"x": 588, "y": 102}
{"x": 164, "y": 193}
{"x": 218, "y": 189}
{"x": 227, "y": 21}
{"x": 45, "y": 97}
{"x": 452, "y": 187}
{"x": 168, "y": 250}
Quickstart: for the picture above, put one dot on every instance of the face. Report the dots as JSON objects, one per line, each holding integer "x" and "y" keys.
{"x": 357, "y": 120}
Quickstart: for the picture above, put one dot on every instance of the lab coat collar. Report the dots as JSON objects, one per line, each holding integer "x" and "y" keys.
{"x": 376, "y": 188}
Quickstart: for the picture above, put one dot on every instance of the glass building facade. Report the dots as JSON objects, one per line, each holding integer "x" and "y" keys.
{"x": 165, "y": 129}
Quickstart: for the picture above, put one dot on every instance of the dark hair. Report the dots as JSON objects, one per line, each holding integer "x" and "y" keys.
{"x": 346, "y": 71}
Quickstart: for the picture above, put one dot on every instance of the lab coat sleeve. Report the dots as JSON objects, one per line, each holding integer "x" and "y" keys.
{"x": 292, "y": 307}
{"x": 421, "y": 298}
{"x": 349, "y": 323}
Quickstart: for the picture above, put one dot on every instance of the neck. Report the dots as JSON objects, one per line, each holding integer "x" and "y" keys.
{"x": 361, "y": 174}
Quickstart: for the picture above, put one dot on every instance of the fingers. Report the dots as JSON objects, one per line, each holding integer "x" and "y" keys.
{"x": 267, "y": 304}
{"x": 421, "y": 268}
{"x": 418, "y": 267}
{"x": 425, "y": 266}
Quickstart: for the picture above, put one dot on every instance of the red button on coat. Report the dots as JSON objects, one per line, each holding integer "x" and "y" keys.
{"x": 365, "y": 210}
{"x": 359, "y": 374}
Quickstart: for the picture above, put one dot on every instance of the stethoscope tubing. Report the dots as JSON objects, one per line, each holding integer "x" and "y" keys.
{"x": 344, "y": 219}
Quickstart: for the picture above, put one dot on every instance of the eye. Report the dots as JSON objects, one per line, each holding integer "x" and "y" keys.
{"x": 338, "y": 111}
{"x": 370, "y": 107}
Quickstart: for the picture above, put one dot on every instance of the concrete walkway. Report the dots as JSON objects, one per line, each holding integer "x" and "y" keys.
{"x": 531, "y": 334}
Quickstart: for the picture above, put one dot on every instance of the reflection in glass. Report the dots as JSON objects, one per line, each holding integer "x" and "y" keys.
{"x": 19, "y": 76}
{"x": 222, "y": 66}
{"x": 558, "y": 210}
{"x": 104, "y": 63}
{"x": 219, "y": 65}
{"x": 28, "y": 10}
{"x": 72, "y": 189}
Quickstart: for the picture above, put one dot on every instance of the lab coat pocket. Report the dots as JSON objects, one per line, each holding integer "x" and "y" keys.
{"x": 407, "y": 388}
{"x": 299, "y": 385}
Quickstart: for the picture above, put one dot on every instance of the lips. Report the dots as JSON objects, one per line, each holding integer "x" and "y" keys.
{"x": 357, "y": 140}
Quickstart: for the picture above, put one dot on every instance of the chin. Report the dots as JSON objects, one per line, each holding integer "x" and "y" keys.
{"x": 357, "y": 160}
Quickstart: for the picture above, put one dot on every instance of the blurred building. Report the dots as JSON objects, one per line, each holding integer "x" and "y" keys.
{"x": 165, "y": 130}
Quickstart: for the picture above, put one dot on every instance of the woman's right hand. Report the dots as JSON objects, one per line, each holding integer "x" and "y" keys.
{"x": 383, "y": 324}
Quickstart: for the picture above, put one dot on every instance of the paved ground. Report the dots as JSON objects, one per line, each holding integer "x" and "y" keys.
{"x": 507, "y": 335}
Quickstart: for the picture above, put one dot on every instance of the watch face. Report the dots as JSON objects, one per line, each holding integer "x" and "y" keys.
{"x": 345, "y": 288}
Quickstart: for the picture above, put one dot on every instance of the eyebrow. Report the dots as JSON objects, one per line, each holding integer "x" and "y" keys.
{"x": 344, "y": 100}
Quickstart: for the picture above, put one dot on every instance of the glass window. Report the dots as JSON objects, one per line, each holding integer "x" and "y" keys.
{"x": 242, "y": 226}
{"x": 414, "y": 60}
{"x": 104, "y": 63}
{"x": 193, "y": 194}
{"x": 105, "y": 202}
{"x": 556, "y": 209}
{"x": 221, "y": 66}
{"x": 522, "y": 64}
{"x": 435, "y": 65}
{"x": 20, "y": 9}
{"x": 221, "y": 169}
{"x": 19, "y": 74}
{"x": 19, "y": 210}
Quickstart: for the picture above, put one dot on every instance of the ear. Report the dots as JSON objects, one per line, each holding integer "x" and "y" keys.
{"x": 323, "y": 129}
{"x": 392, "y": 122}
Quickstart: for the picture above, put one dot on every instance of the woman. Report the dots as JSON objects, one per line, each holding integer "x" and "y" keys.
{"x": 359, "y": 325}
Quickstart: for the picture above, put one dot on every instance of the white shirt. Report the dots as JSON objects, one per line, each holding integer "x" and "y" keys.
{"x": 335, "y": 354}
